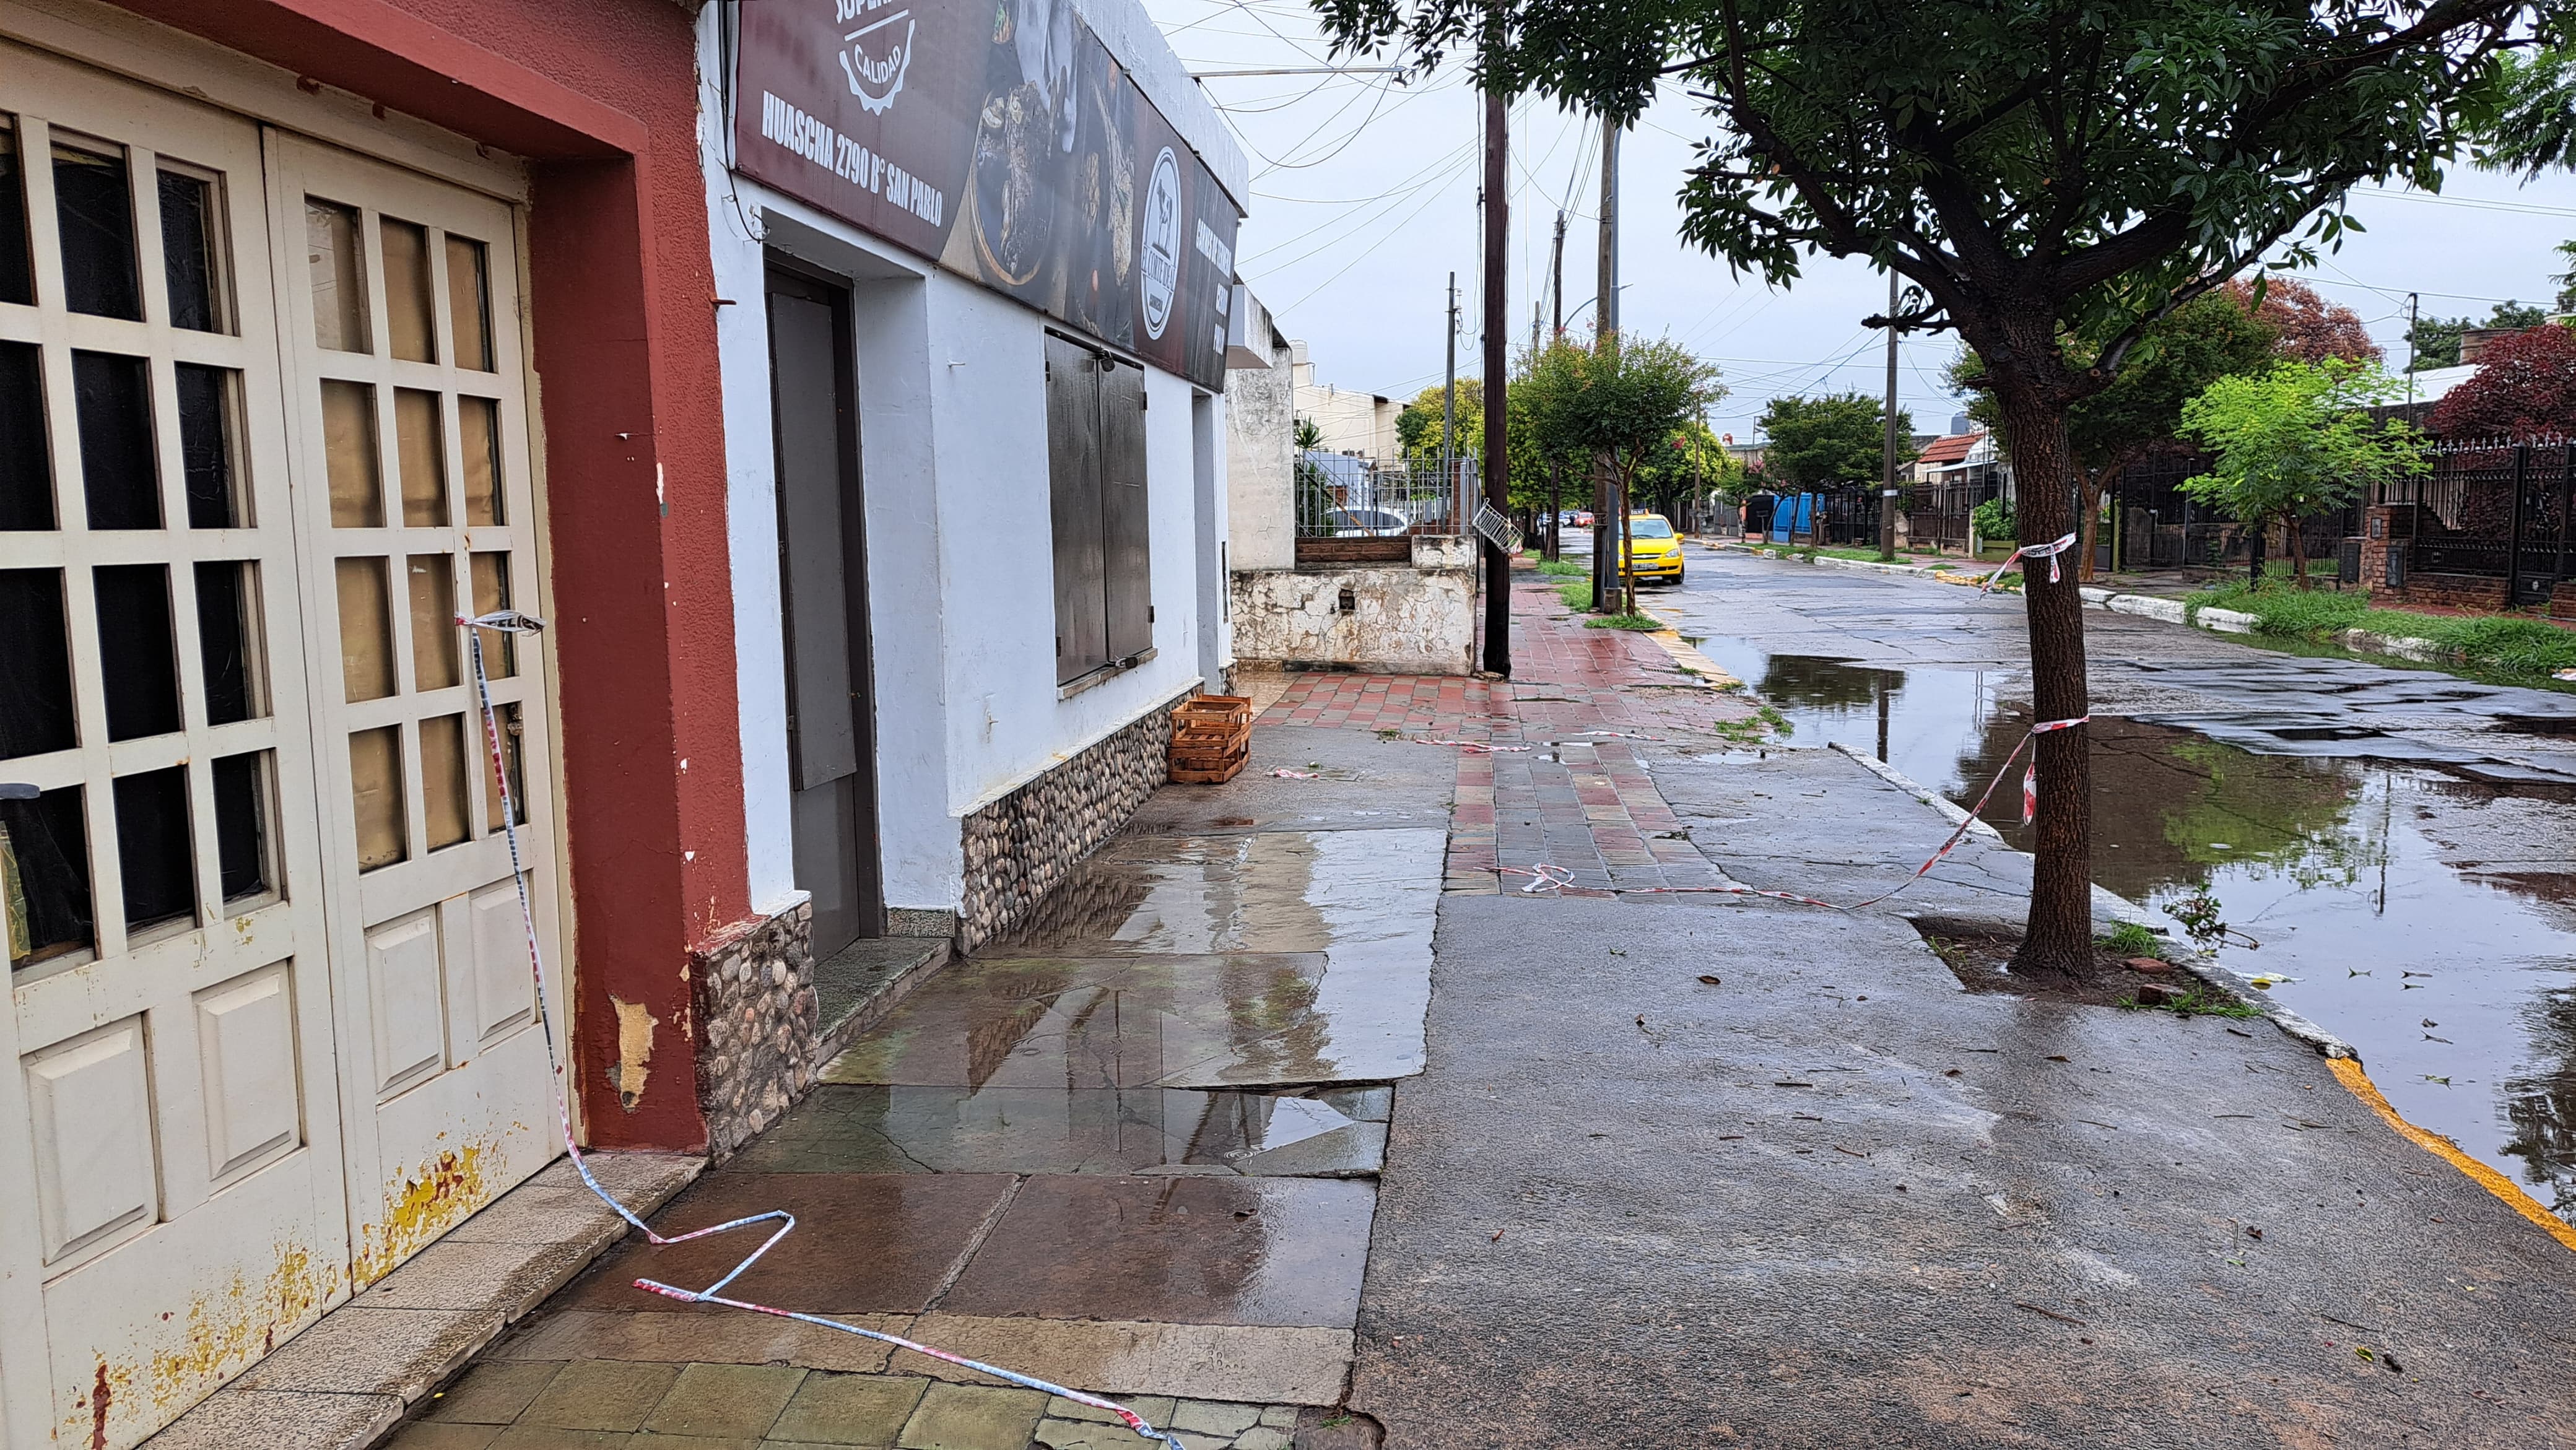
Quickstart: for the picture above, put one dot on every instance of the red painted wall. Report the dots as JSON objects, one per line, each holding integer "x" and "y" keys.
{"x": 601, "y": 96}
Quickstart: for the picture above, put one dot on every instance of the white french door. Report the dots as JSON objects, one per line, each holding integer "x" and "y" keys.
{"x": 263, "y": 432}
{"x": 172, "y": 1199}
{"x": 409, "y": 444}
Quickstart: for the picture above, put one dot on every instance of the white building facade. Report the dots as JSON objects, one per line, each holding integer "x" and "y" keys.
{"x": 975, "y": 445}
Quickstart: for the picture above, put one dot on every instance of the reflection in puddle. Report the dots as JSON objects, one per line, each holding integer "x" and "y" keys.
{"x": 2427, "y": 915}
{"x": 879, "y": 1129}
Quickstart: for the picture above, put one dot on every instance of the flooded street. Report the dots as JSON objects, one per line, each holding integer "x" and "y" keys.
{"x": 2399, "y": 844}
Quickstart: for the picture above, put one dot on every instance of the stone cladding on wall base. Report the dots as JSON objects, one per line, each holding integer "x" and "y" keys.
{"x": 1020, "y": 846}
{"x": 753, "y": 993}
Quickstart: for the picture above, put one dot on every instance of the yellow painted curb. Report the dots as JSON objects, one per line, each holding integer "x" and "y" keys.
{"x": 2349, "y": 1072}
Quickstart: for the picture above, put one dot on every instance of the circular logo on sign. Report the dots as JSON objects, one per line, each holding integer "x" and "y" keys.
{"x": 1161, "y": 247}
{"x": 875, "y": 53}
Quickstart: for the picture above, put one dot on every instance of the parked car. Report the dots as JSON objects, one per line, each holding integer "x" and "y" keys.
{"x": 1654, "y": 553}
{"x": 1583, "y": 518}
{"x": 1367, "y": 523}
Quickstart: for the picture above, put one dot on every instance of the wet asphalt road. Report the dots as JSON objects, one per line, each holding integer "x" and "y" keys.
{"x": 2399, "y": 842}
{"x": 1833, "y": 1199}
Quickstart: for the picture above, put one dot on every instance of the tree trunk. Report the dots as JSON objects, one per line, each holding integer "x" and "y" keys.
{"x": 2298, "y": 549}
{"x": 1555, "y": 512}
{"x": 1602, "y": 524}
{"x": 2097, "y": 497}
{"x": 1627, "y": 561}
{"x": 2058, "y": 940}
{"x": 2254, "y": 551}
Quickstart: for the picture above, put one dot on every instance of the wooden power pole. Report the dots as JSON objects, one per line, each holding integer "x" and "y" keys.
{"x": 1498, "y": 563}
{"x": 1607, "y": 528}
{"x": 1887, "y": 478}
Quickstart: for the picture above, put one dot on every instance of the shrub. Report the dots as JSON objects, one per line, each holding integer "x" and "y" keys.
{"x": 1994, "y": 519}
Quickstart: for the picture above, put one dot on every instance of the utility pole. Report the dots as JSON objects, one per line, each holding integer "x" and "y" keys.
{"x": 1556, "y": 276}
{"x": 1607, "y": 528}
{"x": 1887, "y": 477}
{"x": 1498, "y": 230}
{"x": 1449, "y": 391}
{"x": 2411, "y": 301}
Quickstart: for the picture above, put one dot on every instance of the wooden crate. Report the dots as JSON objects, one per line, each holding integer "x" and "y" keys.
{"x": 1211, "y": 738}
{"x": 1210, "y": 769}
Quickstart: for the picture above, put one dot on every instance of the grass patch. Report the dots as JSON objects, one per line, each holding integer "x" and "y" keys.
{"x": 2510, "y": 644}
{"x": 1563, "y": 568}
{"x": 1866, "y": 556}
{"x": 2129, "y": 939}
{"x": 1577, "y": 594}
{"x": 1623, "y": 621}
{"x": 2196, "y": 1001}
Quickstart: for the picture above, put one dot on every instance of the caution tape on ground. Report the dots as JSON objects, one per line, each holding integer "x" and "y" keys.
{"x": 512, "y": 622}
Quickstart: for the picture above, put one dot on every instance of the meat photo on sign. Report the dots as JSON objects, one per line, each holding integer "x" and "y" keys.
{"x": 1098, "y": 235}
{"x": 1023, "y": 140}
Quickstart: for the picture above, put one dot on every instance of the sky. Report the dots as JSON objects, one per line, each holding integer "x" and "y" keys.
{"x": 1364, "y": 201}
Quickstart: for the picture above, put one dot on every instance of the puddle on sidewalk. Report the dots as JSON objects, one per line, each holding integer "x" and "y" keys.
{"x": 2422, "y": 901}
{"x": 881, "y": 1129}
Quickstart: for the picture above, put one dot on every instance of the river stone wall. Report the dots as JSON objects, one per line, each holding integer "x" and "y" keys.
{"x": 1019, "y": 847}
{"x": 754, "y": 998}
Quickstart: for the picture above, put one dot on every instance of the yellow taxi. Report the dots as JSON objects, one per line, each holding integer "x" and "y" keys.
{"x": 1654, "y": 553}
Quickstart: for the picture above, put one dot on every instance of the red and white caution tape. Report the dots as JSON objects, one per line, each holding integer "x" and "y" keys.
{"x": 510, "y": 621}
{"x": 1547, "y": 878}
{"x": 2048, "y": 551}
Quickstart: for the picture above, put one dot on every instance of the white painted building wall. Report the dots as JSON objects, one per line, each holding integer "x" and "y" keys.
{"x": 1260, "y": 463}
{"x": 953, "y": 455}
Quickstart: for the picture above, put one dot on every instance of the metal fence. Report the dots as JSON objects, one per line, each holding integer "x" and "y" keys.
{"x": 1343, "y": 497}
{"x": 2496, "y": 509}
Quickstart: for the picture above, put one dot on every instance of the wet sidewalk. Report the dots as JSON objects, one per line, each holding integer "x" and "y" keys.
{"x": 1131, "y": 1149}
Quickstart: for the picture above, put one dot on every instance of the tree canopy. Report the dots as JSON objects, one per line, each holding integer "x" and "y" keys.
{"x": 1830, "y": 442}
{"x": 2294, "y": 440}
{"x": 1417, "y": 424}
{"x": 2304, "y": 325}
{"x": 2525, "y": 385}
{"x": 1617, "y": 398}
{"x": 2056, "y": 175}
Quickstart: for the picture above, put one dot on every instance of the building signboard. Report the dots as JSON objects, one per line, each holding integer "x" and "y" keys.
{"x": 1002, "y": 141}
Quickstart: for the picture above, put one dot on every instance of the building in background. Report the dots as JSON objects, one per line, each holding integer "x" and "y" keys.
{"x": 1359, "y": 424}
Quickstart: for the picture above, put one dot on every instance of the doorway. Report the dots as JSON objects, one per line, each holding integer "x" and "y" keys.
{"x": 822, "y": 560}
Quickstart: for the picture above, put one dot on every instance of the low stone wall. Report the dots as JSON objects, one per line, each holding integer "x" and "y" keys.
{"x": 1417, "y": 618}
{"x": 753, "y": 995}
{"x": 2562, "y": 599}
{"x": 1020, "y": 846}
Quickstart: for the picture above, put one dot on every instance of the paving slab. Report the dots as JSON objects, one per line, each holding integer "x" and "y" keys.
{"x": 917, "y": 1129}
{"x": 1272, "y": 1251}
{"x": 849, "y": 1409}
{"x": 917, "y": 1227}
{"x": 973, "y": 1417}
{"x": 705, "y": 1334}
{"x": 719, "y": 1401}
{"x": 1265, "y": 1364}
{"x": 1345, "y": 780}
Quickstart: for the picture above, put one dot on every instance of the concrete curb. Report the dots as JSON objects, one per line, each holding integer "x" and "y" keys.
{"x": 1950, "y": 810}
{"x": 2146, "y": 606}
{"x": 2107, "y": 903}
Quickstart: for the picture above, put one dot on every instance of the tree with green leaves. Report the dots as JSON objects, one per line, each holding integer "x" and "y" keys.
{"x": 2567, "y": 280}
{"x": 1417, "y": 424}
{"x": 1692, "y": 465}
{"x": 2293, "y": 440}
{"x": 1836, "y": 441}
{"x": 2056, "y": 175}
{"x": 1621, "y": 400}
{"x": 1314, "y": 486}
{"x": 2140, "y": 414}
